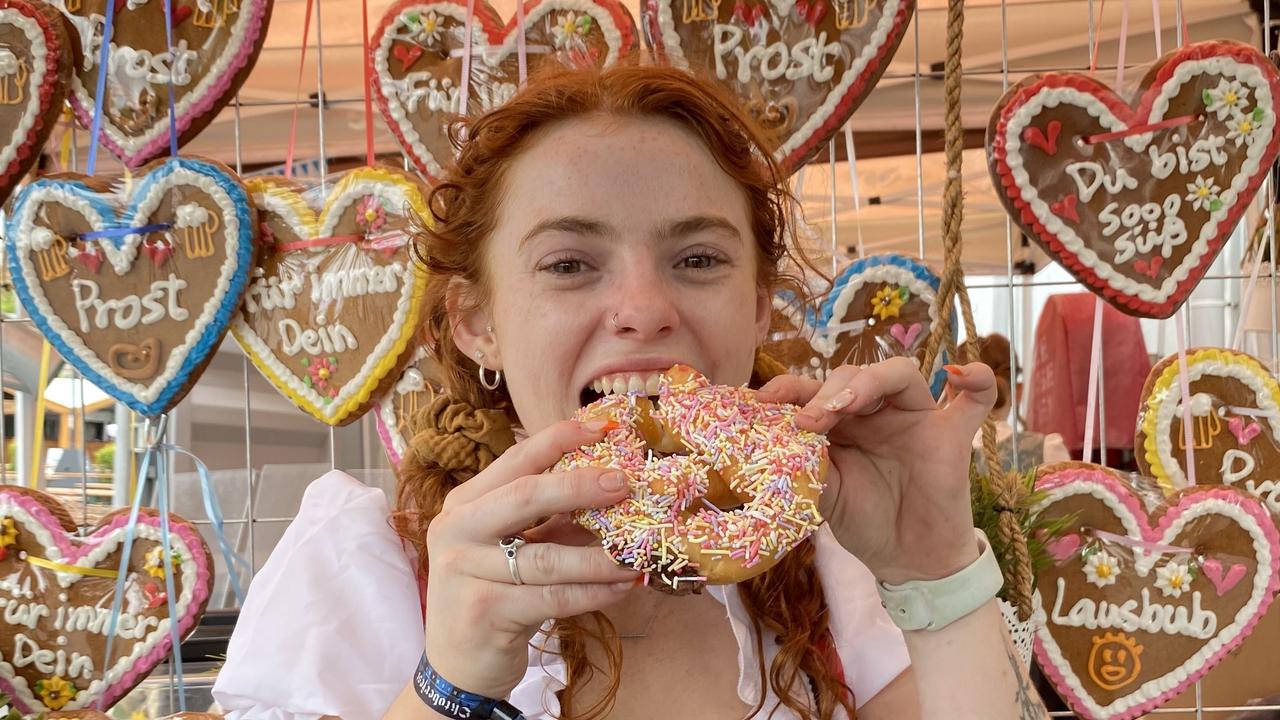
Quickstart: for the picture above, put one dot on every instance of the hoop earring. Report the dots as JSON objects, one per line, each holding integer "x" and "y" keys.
{"x": 484, "y": 382}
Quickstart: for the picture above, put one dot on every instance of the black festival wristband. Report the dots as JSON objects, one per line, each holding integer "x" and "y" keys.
{"x": 451, "y": 701}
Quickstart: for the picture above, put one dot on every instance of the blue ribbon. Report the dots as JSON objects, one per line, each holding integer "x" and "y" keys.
{"x": 168, "y": 38}
{"x": 96, "y": 130}
{"x": 122, "y": 232}
{"x": 233, "y": 561}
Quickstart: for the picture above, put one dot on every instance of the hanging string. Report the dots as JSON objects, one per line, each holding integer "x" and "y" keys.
{"x": 465, "y": 92}
{"x": 1155, "y": 20}
{"x": 1091, "y": 403}
{"x": 370, "y": 156}
{"x": 297, "y": 93}
{"x": 95, "y": 129}
{"x": 1247, "y": 300}
{"x": 835, "y": 246}
{"x": 173, "y": 114}
{"x": 853, "y": 181}
{"x": 522, "y": 52}
{"x": 1097, "y": 40}
{"x": 1184, "y": 386}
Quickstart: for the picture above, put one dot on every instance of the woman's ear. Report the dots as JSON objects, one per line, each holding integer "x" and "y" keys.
{"x": 764, "y": 315}
{"x": 472, "y": 328}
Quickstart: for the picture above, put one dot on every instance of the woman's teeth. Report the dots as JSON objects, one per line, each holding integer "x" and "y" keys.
{"x": 624, "y": 384}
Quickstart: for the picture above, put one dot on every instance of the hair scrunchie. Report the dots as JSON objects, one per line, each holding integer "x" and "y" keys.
{"x": 457, "y": 437}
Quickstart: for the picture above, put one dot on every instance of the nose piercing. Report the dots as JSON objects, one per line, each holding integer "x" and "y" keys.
{"x": 614, "y": 320}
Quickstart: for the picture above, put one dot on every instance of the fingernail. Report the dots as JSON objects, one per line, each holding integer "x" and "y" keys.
{"x": 613, "y": 481}
{"x": 600, "y": 426}
{"x": 841, "y": 400}
{"x": 956, "y": 370}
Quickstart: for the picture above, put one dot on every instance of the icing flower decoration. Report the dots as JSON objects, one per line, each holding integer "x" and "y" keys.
{"x": 155, "y": 566}
{"x": 1204, "y": 194}
{"x": 370, "y": 217}
{"x": 570, "y": 24}
{"x": 55, "y": 692}
{"x": 426, "y": 27}
{"x": 1228, "y": 98}
{"x": 1173, "y": 578}
{"x": 319, "y": 372}
{"x": 888, "y": 302}
{"x": 1241, "y": 126}
{"x": 1101, "y": 569}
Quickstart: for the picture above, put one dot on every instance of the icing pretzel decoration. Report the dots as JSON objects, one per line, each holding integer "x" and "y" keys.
{"x": 36, "y": 62}
{"x": 215, "y": 45}
{"x": 1235, "y": 411}
{"x": 106, "y": 286}
{"x": 417, "y": 59}
{"x": 1137, "y": 200}
{"x": 799, "y": 67}
{"x": 334, "y": 303}
{"x": 1139, "y": 606}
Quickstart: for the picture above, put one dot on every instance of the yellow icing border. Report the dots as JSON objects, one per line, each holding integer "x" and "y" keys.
{"x": 341, "y": 414}
{"x": 1167, "y": 380}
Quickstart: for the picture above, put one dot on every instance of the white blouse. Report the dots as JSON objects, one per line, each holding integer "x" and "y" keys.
{"x": 333, "y": 625}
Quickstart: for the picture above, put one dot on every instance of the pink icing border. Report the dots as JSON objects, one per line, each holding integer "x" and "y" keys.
{"x": 384, "y": 434}
{"x": 1120, "y": 492}
{"x": 73, "y": 552}
{"x": 203, "y": 104}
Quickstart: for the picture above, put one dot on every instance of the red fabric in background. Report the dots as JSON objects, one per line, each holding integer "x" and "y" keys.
{"x": 1058, "y": 392}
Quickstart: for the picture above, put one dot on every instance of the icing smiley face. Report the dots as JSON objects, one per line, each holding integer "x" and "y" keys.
{"x": 57, "y": 592}
{"x": 417, "y": 58}
{"x": 1139, "y": 606}
{"x": 36, "y": 61}
{"x": 1235, "y": 409}
{"x": 1114, "y": 661}
{"x": 799, "y": 67}
{"x": 1137, "y": 201}
{"x": 215, "y": 45}
{"x": 878, "y": 307}
{"x": 136, "y": 300}
{"x": 337, "y": 295}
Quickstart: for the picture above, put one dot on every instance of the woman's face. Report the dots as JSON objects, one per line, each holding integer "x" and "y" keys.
{"x": 620, "y": 249}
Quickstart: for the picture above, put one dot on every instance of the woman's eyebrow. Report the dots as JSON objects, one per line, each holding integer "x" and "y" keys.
{"x": 696, "y": 224}
{"x": 571, "y": 224}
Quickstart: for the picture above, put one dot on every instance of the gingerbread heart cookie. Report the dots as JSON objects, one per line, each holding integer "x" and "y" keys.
{"x": 136, "y": 298}
{"x": 1235, "y": 409}
{"x": 1137, "y": 200}
{"x": 1139, "y": 606}
{"x": 337, "y": 296}
{"x": 36, "y": 61}
{"x": 799, "y": 67}
{"x": 57, "y": 595}
{"x": 215, "y": 45}
{"x": 396, "y": 410}
{"x": 417, "y": 59}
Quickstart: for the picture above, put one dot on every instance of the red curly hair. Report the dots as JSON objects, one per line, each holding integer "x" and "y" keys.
{"x": 787, "y": 601}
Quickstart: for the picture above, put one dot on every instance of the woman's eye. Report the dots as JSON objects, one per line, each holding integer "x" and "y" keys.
{"x": 698, "y": 262}
{"x": 566, "y": 267}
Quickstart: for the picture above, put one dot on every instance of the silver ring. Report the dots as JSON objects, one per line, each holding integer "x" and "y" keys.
{"x": 509, "y": 547}
{"x": 614, "y": 320}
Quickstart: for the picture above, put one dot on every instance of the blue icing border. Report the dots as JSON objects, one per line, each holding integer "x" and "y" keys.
{"x": 918, "y": 270}
{"x": 221, "y": 321}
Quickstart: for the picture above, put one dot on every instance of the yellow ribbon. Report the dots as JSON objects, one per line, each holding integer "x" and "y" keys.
{"x": 76, "y": 569}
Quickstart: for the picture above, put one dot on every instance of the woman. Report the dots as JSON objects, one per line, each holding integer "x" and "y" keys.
{"x": 597, "y": 229}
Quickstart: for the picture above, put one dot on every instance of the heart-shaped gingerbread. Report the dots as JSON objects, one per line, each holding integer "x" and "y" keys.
{"x": 215, "y": 45}
{"x": 1149, "y": 603}
{"x": 1235, "y": 426}
{"x": 57, "y": 594}
{"x": 419, "y": 382}
{"x": 878, "y": 307}
{"x": 1137, "y": 200}
{"x": 336, "y": 298}
{"x": 799, "y": 67}
{"x": 417, "y": 59}
{"x": 36, "y": 61}
{"x": 137, "y": 299}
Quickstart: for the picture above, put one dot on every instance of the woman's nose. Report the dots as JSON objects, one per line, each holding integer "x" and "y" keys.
{"x": 644, "y": 309}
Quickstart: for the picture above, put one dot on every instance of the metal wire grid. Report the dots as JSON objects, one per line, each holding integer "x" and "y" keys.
{"x": 1015, "y": 286}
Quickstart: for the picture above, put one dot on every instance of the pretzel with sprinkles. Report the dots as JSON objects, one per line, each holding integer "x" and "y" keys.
{"x": 722, "y": 486}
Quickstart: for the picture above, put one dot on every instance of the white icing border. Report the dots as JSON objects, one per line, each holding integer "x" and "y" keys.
{"x": 826, "y": 343}
{"x": 122, "y": 259}
{"x": 1227, "y": 67}
{"x": 491, "y": 55}
{"x": 387, "y": 407}
{"x": 123, "y": 664}
{"x": 854, "y": 69}
{"x": 1226, "y": 633}
{"x": 36, "y": 77}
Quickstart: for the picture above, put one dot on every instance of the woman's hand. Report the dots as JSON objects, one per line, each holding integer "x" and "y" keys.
{"x": 897, "y": 494}
{"x": 479, "y": 622}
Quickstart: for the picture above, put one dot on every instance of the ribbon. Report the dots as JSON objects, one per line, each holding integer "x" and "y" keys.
{"x": 1091, "y": 404}
{"x": 1247, "y": 300}
{"x": 368, "y": 83}
{"x": 1097, "y": 39}
{"x": 521, "y": 50}
{"x": 297, "y": 94}
{"x": 465, "y": 91}
{"x": 173, "y": 115}
{"x": 72, "y": 569}
{"x": 853, "y": 180}
{"x": 1124, "y": 42}
{"x": 1139, "y": 129}
{"x": 1184, "y": 384}
{"x": 122, "y": 232}
{"x": 1141, "y": 544}
{"x": 1155, "y": 21}
{"x": 382, "y": 241}
{"x": 95, "y": 130}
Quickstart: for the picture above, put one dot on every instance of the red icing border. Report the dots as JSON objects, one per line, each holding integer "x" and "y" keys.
{"x": 1125, "y": 496}
{"x": 73, "y": 552}
{"x": 1003, "y": 176}
{"x": 52, "y": 92}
